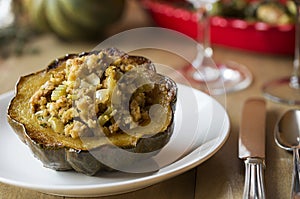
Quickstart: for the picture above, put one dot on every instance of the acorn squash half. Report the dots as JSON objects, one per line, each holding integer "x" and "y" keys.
{"x": 91, "y": 103}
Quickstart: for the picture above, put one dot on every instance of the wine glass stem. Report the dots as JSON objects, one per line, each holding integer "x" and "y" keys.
{"x": 295, "y": 78}
{"x": 203, "y": 27}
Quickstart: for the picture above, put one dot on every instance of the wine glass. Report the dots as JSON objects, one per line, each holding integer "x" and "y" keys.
{"x": 286, "y": 89}
{"x": 223, "y": 77}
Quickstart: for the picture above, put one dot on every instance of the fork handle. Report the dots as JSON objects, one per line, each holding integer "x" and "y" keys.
{"x": 254, "y": 182}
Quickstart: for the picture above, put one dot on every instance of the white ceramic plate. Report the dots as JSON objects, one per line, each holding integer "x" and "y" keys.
{"x": 201, "y": 128}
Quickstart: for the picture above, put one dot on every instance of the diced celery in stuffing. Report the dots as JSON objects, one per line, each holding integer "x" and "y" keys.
{"x": 58, "y": 92}
{"x": 56, "y": 124}
{"x": 105, "y": 117}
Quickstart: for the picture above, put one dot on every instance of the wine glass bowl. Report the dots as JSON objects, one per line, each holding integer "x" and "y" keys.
{"x": 225, "y": 77}
{"x": 212, "y": 78}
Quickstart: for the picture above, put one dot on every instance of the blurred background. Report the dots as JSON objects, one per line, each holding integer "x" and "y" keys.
{"x": 255, "y": 25}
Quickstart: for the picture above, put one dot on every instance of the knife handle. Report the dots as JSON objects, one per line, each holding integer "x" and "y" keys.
{"x": 254, "y": 184}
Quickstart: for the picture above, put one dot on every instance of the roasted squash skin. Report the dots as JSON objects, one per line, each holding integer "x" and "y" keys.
{"x": 61, "y": 153}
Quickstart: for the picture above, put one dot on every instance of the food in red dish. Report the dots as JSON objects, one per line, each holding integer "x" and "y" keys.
{"x": 233, "y": 31}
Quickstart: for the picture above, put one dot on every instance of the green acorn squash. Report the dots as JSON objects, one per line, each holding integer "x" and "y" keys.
{"x": 115, "y": 90}
{"x": 69, "y": 18}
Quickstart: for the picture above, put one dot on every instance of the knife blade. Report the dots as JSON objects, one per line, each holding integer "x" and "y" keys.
{"x": 252, "y": 146}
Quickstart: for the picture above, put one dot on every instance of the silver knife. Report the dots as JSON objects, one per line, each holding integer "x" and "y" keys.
{"x": 252, "y": 147}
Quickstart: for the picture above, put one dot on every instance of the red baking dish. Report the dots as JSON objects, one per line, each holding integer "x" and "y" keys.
{"x": 236, "y": 33}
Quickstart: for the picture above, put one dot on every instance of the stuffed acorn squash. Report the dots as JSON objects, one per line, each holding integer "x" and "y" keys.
{"x": 93, "y": 103}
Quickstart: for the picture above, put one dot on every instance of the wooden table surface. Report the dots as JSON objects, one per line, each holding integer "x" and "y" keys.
{"x": 221, "y": 176}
